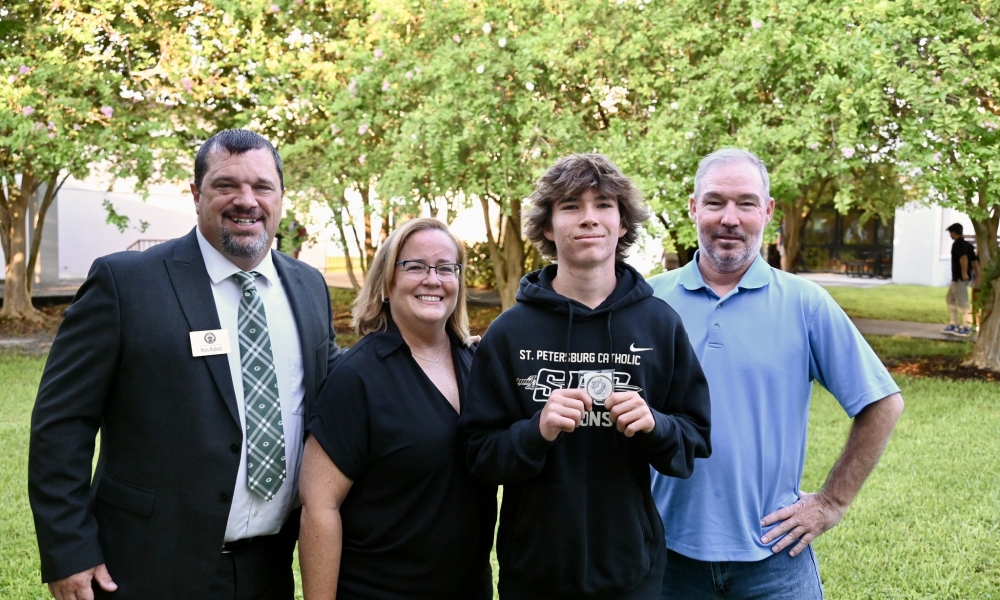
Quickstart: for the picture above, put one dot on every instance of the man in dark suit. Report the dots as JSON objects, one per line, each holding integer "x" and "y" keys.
{"x": 195, "y": 360}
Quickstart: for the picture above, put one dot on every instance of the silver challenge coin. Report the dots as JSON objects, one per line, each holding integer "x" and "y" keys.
{"x": 599, "y": 386}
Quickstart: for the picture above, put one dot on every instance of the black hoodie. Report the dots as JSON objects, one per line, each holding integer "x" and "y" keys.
{"x": 578, "y": 519}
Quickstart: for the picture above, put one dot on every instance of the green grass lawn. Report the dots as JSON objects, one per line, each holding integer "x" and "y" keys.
{"x": 893, "y": 302}
{"x": 927, "y": 524}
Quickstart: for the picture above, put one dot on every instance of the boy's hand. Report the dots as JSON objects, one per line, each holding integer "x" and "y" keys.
{"x": 630, "y": 413}
{"x": 563, "y": 411}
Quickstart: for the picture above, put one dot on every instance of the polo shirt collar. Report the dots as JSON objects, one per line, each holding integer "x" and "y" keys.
{"x": 221, "y": 268}
{"x": 757, "y": 276}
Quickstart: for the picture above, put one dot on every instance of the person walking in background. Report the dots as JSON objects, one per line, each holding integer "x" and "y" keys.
{"x": 963, "y": 257}
{"x": 389, "y": 509}
{"x": 740, "y": 528}
{"x": 575, "y": 390}
{"x": 195, "y": 360}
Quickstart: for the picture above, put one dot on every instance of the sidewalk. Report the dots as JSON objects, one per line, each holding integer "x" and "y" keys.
{"x": 930, "y": 331}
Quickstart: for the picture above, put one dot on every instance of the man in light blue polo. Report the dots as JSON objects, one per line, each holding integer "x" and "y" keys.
{"x": 740, "y": 527}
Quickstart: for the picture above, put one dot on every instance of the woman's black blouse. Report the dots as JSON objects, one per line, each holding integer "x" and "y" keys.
{"x": 416, "y": 523}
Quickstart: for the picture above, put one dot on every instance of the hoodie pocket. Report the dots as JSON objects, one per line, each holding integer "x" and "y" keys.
{"x": 580, "y": 539}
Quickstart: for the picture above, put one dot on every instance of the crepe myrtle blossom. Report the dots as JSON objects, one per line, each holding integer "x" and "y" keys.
{"x": 480, "y": 68}
{"x": 274, "y": 8}
{"x": 187, "y": 83}
{"x": 847, "y": 152}
{"x": 409, "y": 75}
{"x": 378, "y": 53}
{"x": 107, "y": 111}
{"x": 12, "y": 79}
{"x": 385, "y": 85}
{"x": 487, "y": 28}
{"x": 28, "y": 111}
{"x": 361, "y": 159}
{"x": 502, "y": 42}
{"x": 23, "y": 70}
{"x": 363, "y": 129}
{"x": 530, "y": 86}
{"x": 756, "y": 24}
{"x": 456, "y": 38}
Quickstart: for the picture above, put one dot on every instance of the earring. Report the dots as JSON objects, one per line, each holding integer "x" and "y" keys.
{"x": 385, "y": 300}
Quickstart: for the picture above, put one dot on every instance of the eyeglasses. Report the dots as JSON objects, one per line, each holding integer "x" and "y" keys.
{"x": 416, "y": 268}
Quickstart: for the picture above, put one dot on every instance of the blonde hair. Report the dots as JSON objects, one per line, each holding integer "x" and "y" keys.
{"x": 370, "y": 312}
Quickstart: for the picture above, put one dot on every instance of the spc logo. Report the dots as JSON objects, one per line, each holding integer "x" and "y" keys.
{"x": 210, "y": 338}
{"x": 542, "y": 384}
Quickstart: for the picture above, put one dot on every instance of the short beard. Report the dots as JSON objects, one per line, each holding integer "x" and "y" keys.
{"x": 240, "y": 246}
{"x": 725, "y": 261}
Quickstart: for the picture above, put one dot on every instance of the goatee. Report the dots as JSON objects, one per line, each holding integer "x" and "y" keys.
{"x": 243, "y": 246}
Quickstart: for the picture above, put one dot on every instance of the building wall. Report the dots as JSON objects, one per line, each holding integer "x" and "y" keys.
{"x": 921, "y": 246}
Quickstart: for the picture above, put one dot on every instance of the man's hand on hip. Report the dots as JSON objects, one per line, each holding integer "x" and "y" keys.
{"x": 630, "y": 413}
{"x": 804, "y": 521}
{"x": 77, "y": 587}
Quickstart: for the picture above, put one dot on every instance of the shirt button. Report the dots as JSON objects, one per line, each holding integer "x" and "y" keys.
{"x": 255, "y": 513}
{"x": 224, "y": 497}
{"x": 716, "y": 326}
{"x": 718, "y": 306}
{"x": 234, "y": 448}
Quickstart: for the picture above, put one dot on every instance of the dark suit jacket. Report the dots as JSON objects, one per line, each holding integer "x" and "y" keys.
{"x": 157, "y": 508}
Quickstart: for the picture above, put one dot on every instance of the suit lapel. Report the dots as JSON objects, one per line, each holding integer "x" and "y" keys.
{"x": 306, "y": 320}
{"x": 194, "y": 292}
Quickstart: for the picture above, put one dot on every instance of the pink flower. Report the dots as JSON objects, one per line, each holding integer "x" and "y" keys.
{"x": 937, "y": 157}
{"x": 456, "y": 38}
{"x": 361, "y": 159}
{"x": 352, "y": 86}
{"x": 274, "y": 8}
{"x": 847, "y": 152}
{"x": 76, "y": 127}
{"x": 12, "y": 79}
{"x": 51, "y": 126}
{"x": 409, "y": 74}
{"x": 52, "y": 135}
{"x": 187, "y": 83}
{"x": 334, "y": 130}
{"x": 23, "y": 70}
{"x": 378, "y": 53}
{"x": 107, "y": 111}
{"x": 363, "y": 129}
{"x": 28, "y": 111}
{"x": 756, "y": 24}
{"x": 385, "y": 85}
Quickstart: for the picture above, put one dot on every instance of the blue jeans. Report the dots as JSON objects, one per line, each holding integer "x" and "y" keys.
{"x": 777, "y": 577}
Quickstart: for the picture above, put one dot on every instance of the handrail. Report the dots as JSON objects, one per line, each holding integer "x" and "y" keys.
{"x": 140, "y": 245}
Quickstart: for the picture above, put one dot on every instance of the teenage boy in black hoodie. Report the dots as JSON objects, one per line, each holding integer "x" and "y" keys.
{"x": 575, "y": 391}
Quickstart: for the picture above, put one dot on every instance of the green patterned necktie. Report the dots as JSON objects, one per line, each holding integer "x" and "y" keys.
{"x": 265, "y": 433}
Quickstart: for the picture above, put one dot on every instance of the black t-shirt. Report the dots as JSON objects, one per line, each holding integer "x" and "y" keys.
{"x": 959, "y": 249}
{"x": 416, "y": 523}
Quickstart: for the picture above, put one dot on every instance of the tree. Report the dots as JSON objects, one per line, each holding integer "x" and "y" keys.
{"x": 940, "y": 61}
{"x": 79, "y": 92}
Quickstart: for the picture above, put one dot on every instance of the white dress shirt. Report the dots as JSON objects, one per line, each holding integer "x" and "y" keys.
{"x": 250, "y": 515}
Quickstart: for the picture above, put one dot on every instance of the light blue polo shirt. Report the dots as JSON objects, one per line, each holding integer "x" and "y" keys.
{"x": 761, "y": 346}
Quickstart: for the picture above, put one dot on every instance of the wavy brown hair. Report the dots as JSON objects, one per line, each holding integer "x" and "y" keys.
{"x": 570, "y": 177}
{"x": 370, "y": 311}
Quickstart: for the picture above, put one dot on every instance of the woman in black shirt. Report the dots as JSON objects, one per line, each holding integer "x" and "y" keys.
{"x": 389, "y": 510}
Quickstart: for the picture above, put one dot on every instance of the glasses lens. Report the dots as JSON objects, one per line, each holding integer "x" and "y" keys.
{"x": 415, "y": 268}
{"x": 447, "y": 270}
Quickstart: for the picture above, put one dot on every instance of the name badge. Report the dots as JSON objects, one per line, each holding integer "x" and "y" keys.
{"x": 210, "y": 342}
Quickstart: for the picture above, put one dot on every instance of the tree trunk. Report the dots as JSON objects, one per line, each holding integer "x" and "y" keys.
{"x": 16, "y": 297}
{"x": 499, "y": 269}
{"x": 347, "y": 255}
{"x": 513, "y": 250}
{"x": 986, "y": 352}
{"x": 791, "y": 239}
{"x": 369, "y": 248}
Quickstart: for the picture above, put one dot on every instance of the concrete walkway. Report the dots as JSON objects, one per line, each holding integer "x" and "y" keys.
{"x": 930, "y": 331}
